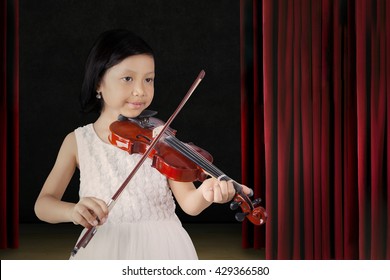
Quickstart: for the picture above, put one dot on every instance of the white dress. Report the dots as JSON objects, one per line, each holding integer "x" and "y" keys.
{"x": 142, "y": 224}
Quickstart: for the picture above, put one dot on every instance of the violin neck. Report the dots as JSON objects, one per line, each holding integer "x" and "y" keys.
{"x": 199, "y": 160}
{"x": 194, "y": 156}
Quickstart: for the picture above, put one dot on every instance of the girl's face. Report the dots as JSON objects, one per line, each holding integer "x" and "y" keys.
{"x": 127, "y": 88}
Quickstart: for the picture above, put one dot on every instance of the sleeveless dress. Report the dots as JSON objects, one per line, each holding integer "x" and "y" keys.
{"x": 142, "y": 224}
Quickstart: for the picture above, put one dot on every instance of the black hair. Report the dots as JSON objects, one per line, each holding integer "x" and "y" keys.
{"x": 110, "y": 48}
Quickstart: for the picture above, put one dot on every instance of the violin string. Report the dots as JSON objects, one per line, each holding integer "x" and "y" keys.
{"x": 185, "y": 150}
{"x": 217, "y": 173}
{"x": 176, "y": 144}
{"x": 193, "y": 155}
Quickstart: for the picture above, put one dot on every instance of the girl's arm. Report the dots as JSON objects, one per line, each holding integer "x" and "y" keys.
{"x": 49, "y": 206}
{"x": 194, "y": 200}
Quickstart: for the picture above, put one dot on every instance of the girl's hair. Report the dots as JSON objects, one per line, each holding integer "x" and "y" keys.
{"x": 109, "y": 49}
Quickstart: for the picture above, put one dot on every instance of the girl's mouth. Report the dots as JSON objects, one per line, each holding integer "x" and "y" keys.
{"x": 135, "y": 105}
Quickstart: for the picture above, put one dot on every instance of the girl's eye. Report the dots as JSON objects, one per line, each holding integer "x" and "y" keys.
{"x": 149, "y": 80}
{"x": 127, "y": 79}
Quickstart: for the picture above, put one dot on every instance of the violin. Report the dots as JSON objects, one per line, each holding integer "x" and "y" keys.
{"x": 134, "y": 135}
{"x": 177, "y": 160}
{"x": 183, "y": 162}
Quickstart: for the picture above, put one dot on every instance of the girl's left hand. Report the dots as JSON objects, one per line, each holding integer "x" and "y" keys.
{"x": 217, "y": 191}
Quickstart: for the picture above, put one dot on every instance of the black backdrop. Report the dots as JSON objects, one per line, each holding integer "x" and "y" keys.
{"x": 187, "y": 36}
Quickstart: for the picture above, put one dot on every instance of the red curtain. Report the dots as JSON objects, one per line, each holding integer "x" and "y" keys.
{"x": 315, "y": 126}
{"x": 9, "y": 139}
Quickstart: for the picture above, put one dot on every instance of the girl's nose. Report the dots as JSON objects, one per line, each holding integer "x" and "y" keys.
{"x": 138, "y": 90}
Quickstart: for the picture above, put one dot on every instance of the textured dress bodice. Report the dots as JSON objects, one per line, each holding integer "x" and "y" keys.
{"x": 103, "y": 169}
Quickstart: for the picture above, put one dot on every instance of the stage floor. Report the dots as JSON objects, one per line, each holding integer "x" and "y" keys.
{"x": 54, "y": 242}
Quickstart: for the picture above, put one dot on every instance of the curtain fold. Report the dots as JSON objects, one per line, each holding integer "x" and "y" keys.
{"x": 252, "y": 123}
{"x": 9, "y": 139}
{"x": 323, "y": 100}
{"x": 373, "y": 142}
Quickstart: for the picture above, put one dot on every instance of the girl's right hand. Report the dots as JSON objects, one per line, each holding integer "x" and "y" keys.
{"x": 89, "y": 211}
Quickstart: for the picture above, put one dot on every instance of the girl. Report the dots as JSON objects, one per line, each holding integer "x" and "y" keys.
{"x": 119, "y": 79}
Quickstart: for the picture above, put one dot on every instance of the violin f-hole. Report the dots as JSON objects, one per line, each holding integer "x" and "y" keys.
{"x": 139, "y": 136}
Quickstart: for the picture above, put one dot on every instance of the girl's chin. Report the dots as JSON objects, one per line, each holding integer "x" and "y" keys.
{"x": 132, "y": 114}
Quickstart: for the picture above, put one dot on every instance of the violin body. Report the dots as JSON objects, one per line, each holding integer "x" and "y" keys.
{"x": 134, "y": 135}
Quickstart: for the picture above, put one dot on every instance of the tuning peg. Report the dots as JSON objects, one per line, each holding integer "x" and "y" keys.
{"x": 234, "y": 205}
{"x": 256, "y": 202}
{"x": 241, "y": 216}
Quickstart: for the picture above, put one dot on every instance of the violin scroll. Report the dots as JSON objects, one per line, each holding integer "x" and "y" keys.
{"x": 250, "y": 209}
